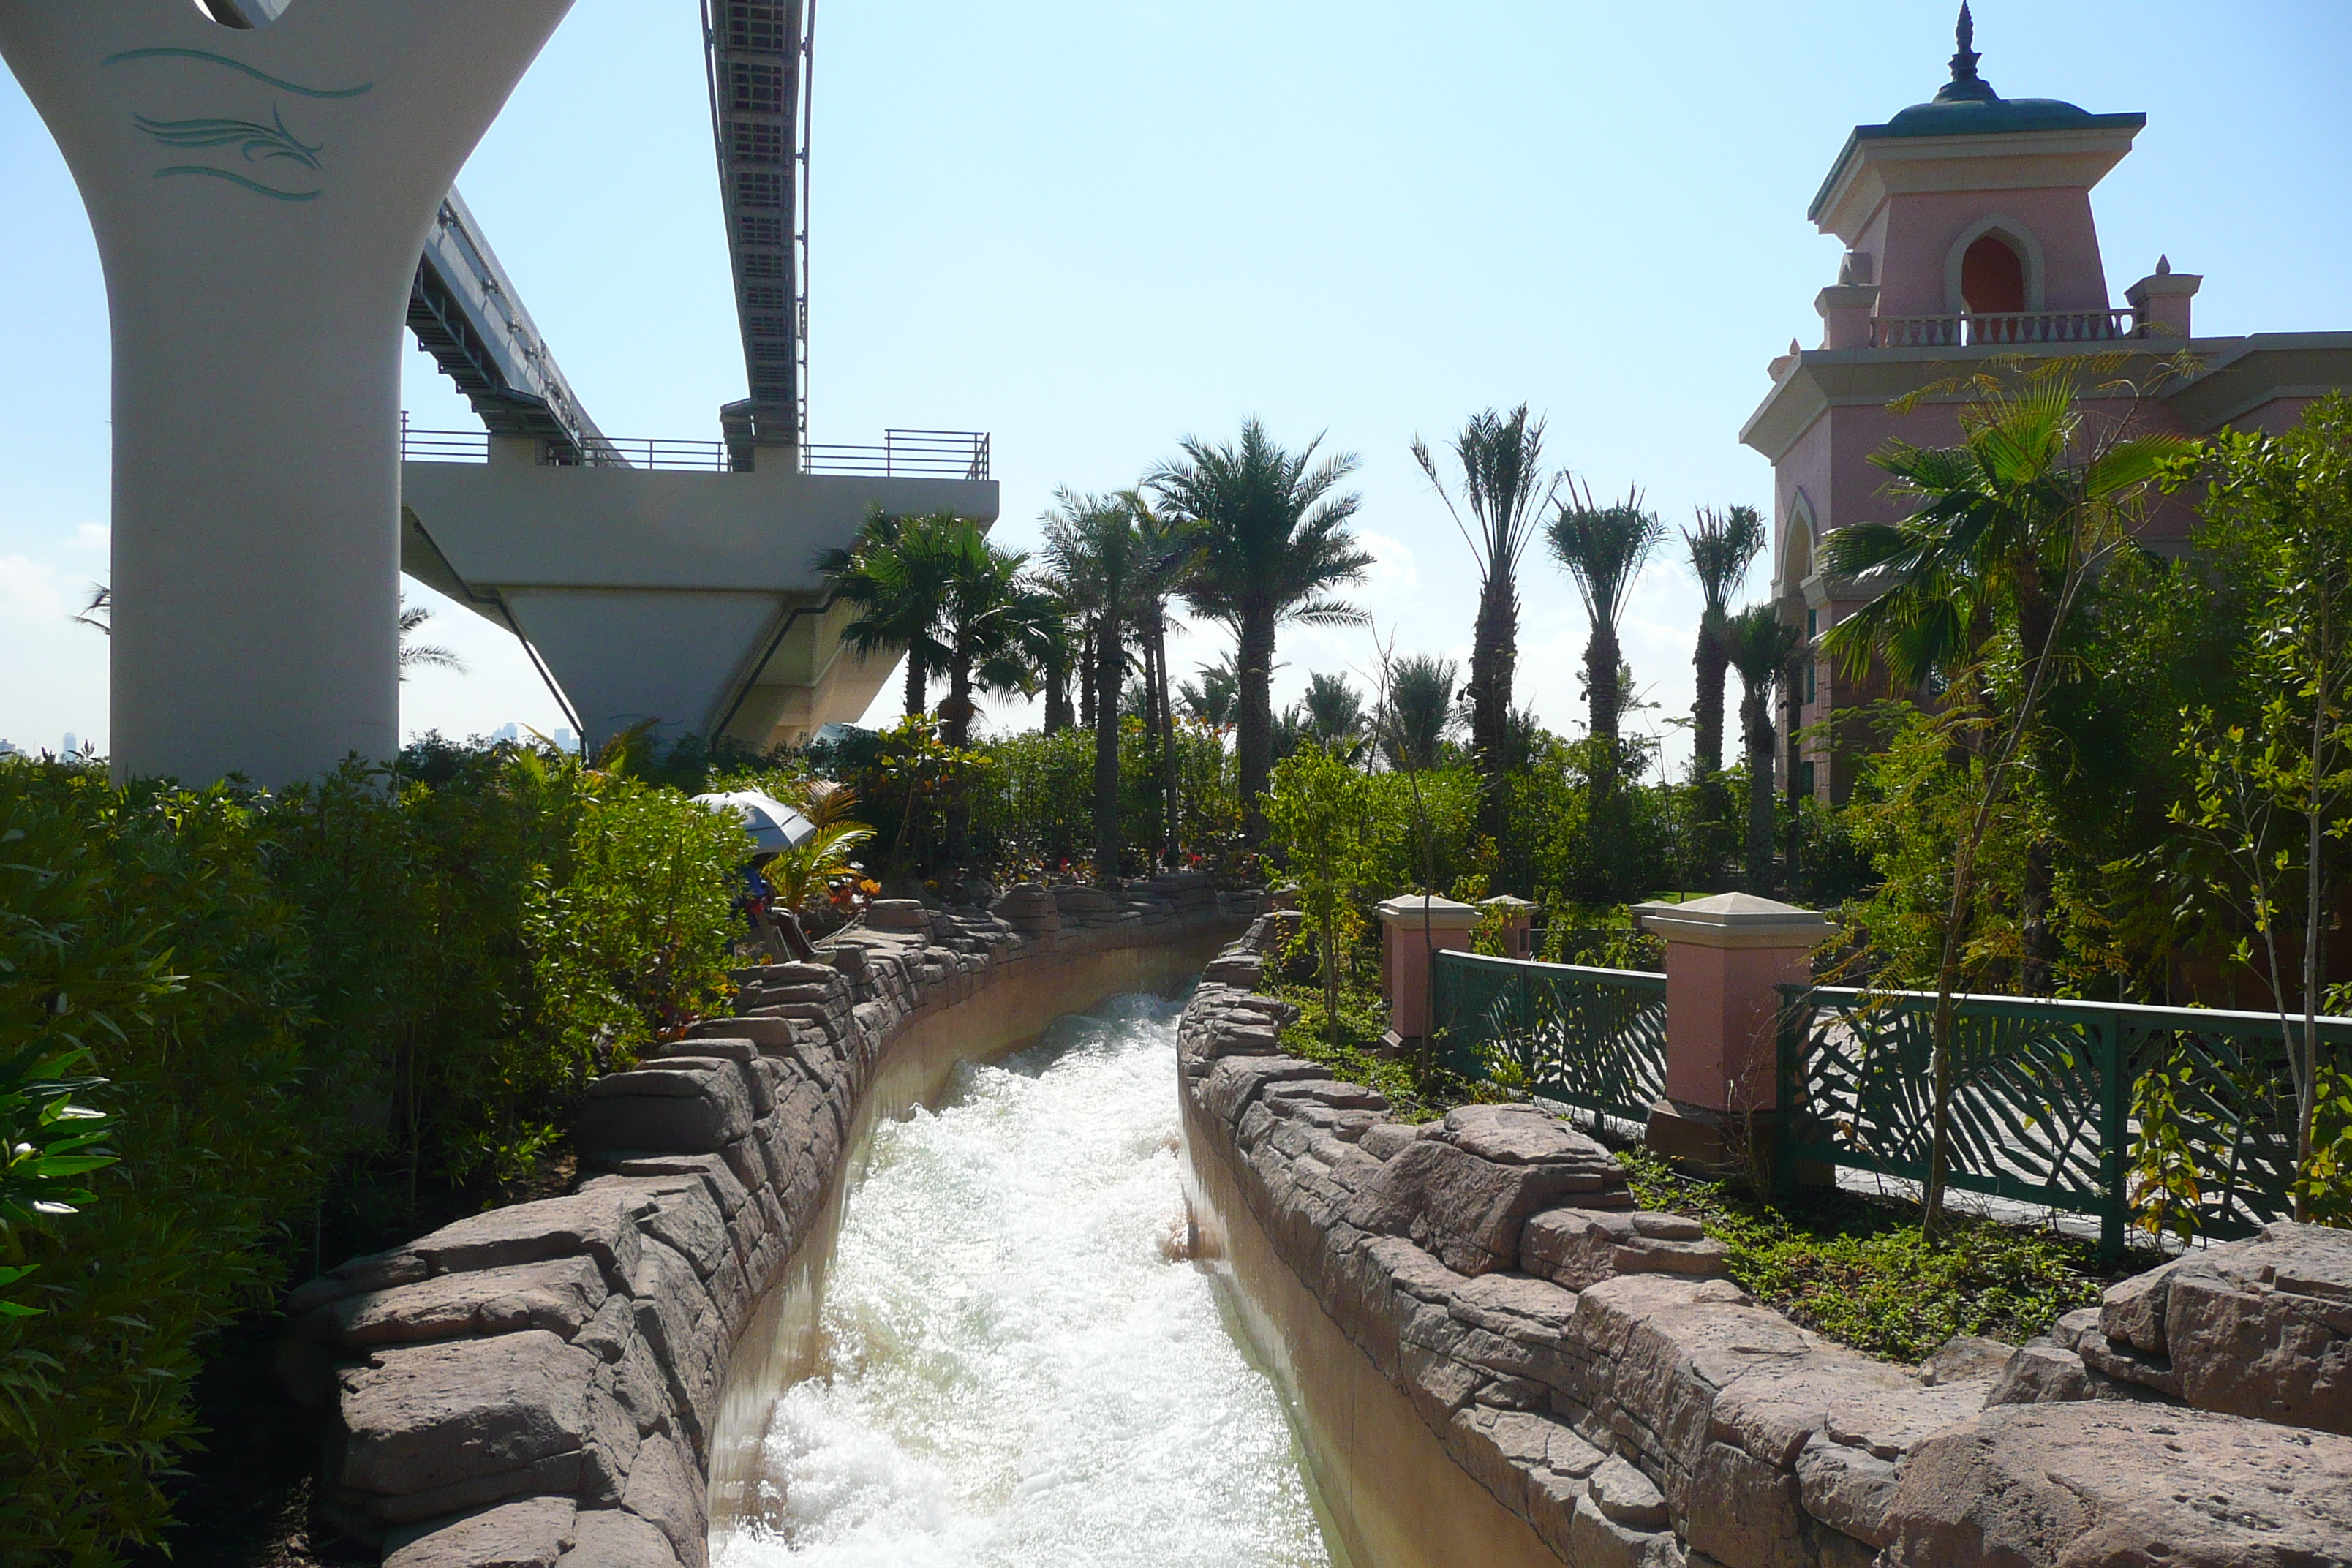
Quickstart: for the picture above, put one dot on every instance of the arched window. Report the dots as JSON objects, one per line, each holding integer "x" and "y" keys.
{"x": 1992, "y": 277}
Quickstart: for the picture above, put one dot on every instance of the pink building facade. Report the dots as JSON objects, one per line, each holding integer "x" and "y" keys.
{"x": 1969, "y": 237}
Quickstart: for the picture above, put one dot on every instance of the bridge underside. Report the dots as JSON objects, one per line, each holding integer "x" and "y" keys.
{"x": 683, "y": 598}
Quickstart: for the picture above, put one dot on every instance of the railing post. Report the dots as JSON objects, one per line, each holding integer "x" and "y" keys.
{"x": 1412, "y": 927}
{"x": 2115, "y": 1129}
{"x": 1725, "y": 957}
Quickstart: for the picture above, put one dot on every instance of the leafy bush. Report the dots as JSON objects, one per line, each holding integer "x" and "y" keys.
{"x": 139, "y": 926}
{"x": 319, "y": 1013}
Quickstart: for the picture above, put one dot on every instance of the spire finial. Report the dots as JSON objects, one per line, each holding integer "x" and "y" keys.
{"x": 1964, "y": 62}
{"x": 1966, "y": 86}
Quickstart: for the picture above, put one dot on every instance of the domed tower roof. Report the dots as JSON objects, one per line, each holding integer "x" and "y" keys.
{"x": 1968, "y": 106}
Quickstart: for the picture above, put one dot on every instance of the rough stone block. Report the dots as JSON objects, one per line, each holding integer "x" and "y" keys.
{"x": 428, "y": 1415}
{"x": 1581, "y": 1247}
{"x": 665, "y": 1490}
{"x": 560, "y": 1296}
{"x": 2262, "y": 1328}
{"x": 601, "y": 1226}
{"x": 612, "y": 1537}
{"x": 1465, "y": 1210}
{"x": 2133, "y": 1312}
{"x": 1743, "y": 1510}
{"x": 665, "y": 1110}
{"x": 1846, "y": 1488}
{"x": 531, "y": 1533}
{"x": 2101, "y": 1482}
{"x": 1595, "y": 1540}
{"x": 1966, "y": 1358}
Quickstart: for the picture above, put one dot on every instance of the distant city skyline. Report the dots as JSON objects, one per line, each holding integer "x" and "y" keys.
{"x": 1093, "y": 232}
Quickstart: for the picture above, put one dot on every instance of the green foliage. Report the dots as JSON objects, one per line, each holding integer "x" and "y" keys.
{"x": 141, "y": 927}
{"x": 1319, "y": 819}
{"x": 317, "y": 1012}
{"x": 1855, "y": 1269}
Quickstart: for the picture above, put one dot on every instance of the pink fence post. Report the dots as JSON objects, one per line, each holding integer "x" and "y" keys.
{"x": 1519, "y": 919}
{"x": 1412, "y": 927}
{"x": 1724, "y": 957}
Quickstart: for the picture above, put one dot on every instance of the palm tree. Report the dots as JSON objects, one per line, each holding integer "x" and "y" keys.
{"x": 1168, "y": 557}
{"x": 1095, "y": 560}
{"x": 1331, "y": 714}
{"x": 1274, "y": 542}
{"x": 1603, "y": 549}
{"x": 1419, "y": 716}
{"x": 896, "y": 571}
{"x": 1213, "y": 698}
{"x": 994, "y": 626}
{"x": 1502, "y": 472}
{"x": 1759, "y": 644}
{"x": 417, "y": 655}
{"x": 2008, "y": 526}
{"x": 1722, "y": 548}
{"x": 1060, "y": 650}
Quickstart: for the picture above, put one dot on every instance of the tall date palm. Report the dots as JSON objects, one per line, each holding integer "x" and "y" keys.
{"x": 1722, "y": 548}
{"x": 1504, "y": 488}
{"x": 1759, "y": 644}
{"x": 1603, "y": 549}
{"x": 1096, "y": 561}
{"x": 1270, "y": 529}
{"x": 896, "y": 571}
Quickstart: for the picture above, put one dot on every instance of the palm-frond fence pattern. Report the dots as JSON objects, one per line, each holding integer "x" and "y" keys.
{"x": 1593, "y": 1038}
{"x": 2042, "y": 1100}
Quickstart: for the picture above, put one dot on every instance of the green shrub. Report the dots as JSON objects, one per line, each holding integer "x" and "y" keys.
{"x": 319, "y": 1013}
{"x": 140, "y": 926}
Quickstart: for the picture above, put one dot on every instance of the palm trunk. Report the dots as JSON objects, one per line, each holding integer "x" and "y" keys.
{"x": 1713, "y": 662}
{"x": 1057, "y": 697}
{"x": 1600, "y": 661}
{"x": 1493, "y": 653}
{"x": 1756, "y": 727}
{"x": 955, "y": 728}
{"x": 1253, "y": 747}
{"x": 1086, "y": 677}
{"x": 1168, "y": 761}
{"x": 919, "y": 684}
{"x": 1106, "y": 685}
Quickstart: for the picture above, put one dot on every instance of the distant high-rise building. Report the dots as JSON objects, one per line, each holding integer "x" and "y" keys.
{"x": 72, "y": 743}
{"x": 564, "y": 739}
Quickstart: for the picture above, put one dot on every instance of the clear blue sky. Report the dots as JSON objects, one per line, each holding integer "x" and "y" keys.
{"x": 1091, "y": 229}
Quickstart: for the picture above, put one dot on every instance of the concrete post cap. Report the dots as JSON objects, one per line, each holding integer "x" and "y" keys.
{"x": 1412, "y": 910}
{"x": 1736, "y": 919}
{"x": 1506, "y": 902}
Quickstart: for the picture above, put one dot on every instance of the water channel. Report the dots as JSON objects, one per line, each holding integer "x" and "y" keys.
{"x": 1017, "y": 1362}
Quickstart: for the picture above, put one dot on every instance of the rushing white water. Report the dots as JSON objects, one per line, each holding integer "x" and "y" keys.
{"x": 1021, "y": 1369}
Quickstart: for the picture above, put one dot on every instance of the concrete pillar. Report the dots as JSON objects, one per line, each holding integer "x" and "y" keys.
{"x": 259, "y": 198}
{"x": 1518, "y": 921}
{"x": 1412, "y": 927}
{"x": 1847, "y": 310}
{"x": 1724, "y": 956}
{"x": 2163, "y": 299}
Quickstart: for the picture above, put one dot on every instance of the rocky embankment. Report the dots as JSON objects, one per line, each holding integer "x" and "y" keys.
{"x": 1586, "y": 1364}
{"x": 538, "y": 1384}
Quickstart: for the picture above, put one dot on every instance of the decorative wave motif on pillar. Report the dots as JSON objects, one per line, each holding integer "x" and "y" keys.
{"x": 255, "y": 143}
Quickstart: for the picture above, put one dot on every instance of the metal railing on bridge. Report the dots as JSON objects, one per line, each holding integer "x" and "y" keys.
{"x": 2044, "y": 1108}
{"x": 1593, "y": 1038}
{"x": 908, "y": 453}
{"x": 902, "y": 454}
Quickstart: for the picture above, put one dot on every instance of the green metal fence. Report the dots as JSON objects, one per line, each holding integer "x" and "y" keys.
{"x": 2043, "y": 1097}
{"x": 1594, "y": 1038}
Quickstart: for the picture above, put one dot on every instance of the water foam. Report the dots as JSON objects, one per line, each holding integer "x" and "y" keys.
{"x": 1020, "y": 1369}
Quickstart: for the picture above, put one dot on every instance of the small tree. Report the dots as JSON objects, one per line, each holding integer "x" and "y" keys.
{"x": 1317, "y": 817}
{"x": 1976, "y": 586}
{"x": 2273, "y": 793}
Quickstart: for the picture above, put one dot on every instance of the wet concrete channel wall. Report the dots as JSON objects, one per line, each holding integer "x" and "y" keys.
{"x": 1498, "y": 1360}
{"x": 585, "y": 1380}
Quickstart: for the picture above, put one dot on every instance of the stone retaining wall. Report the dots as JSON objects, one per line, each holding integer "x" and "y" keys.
{"x": 1587, "y": 1365}
{"x": 542, "y": 1383}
